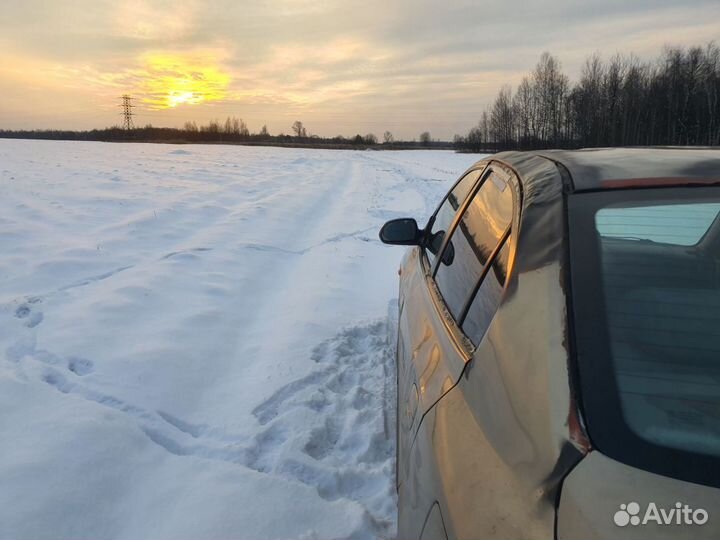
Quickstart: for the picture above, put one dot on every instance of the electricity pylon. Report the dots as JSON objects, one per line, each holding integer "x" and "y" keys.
{"x": 127, "y": 113}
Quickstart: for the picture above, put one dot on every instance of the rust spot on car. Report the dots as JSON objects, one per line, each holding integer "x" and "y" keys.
{"x": 576, "y": 430}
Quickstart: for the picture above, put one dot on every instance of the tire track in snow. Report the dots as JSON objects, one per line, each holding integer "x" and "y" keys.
{"x": 356, "y": 235}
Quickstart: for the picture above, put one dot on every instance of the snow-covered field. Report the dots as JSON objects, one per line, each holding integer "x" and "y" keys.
{"x": 193, "y": 339}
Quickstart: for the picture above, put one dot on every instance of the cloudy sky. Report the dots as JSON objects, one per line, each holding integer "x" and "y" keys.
{"x": 342, "y": 67}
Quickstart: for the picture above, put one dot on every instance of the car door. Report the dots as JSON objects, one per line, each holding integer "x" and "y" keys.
{"x": 420, "y": 327}
{"x": 462, "y": 290}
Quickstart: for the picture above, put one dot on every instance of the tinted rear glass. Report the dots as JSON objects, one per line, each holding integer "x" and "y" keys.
{"x": 662, "y": 307}
{"x": 646, "y": 285}
{"x": 681, "y": 224}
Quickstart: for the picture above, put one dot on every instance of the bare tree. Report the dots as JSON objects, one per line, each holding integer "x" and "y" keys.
{"x": 523, "y": 111}
{"x": 551, "y": 87}
{"x": 235, "y": 126}
{"x": 388, "y": 138}
{"x": 242, "y": 128}
{"x": 711, "y": 84}
{"x": 484, "y": 126}
{"x": 588, "y": 102}
{"x": 477, "y": 138}
{"x": 299, "y": 129}
{"x": 425, "y": 138}
{"x": 212, "y": 127}
{"x": 501, "y": 119}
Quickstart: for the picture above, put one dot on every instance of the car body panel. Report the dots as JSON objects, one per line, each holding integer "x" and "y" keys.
{"x": 587, "y": 514}
{"x": 496, "y": 447}
{"x": 429, "y": 362}
{"x": 508, "y": 431}
{"x": 612, "y": 168}
{"x": 434, "y": 529}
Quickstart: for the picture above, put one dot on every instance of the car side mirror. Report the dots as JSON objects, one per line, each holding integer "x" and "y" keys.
{"x": 401, "y": 232}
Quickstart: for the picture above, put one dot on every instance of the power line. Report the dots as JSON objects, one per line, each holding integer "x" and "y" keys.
{"x": 127, "y": 112}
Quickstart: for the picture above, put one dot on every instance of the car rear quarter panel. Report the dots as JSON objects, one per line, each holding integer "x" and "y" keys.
{"x": 494, "y": 450}
{"x": 595, "y": 489}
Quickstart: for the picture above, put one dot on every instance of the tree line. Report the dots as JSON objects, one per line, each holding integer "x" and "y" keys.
{"x": 230, "y": 131}
{"x": 671, "y": 100}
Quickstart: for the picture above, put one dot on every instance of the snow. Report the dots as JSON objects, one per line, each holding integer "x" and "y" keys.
{"x": 194, "y": 340}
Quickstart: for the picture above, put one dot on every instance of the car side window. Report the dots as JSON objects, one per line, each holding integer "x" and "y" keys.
{"x": 445, "y": 214}
{"x": 487, "y": 299}
{"x": 474, "y": 240}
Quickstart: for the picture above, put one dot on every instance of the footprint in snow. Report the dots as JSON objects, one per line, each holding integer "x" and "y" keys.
{"x": 328, "y": 429}
{"x": 25, "y": 311}
{"x": 323, "y": 439}
{"x": 80, "y": 366}
{"x": 344, "y": 448}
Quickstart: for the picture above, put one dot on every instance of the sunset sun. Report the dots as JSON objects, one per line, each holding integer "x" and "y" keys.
{"x": 171, "y": 80}
{"x": 179, "y": 97}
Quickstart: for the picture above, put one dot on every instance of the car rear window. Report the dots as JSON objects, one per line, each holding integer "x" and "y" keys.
{"x": 646, "y": 271}
{"x": 681, "y": 224}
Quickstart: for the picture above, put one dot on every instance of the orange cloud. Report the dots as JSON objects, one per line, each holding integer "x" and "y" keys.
{"x": 167, "y": 80}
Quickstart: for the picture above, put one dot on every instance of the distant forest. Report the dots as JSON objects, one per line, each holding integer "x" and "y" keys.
{"x": 232, "y": 131}
{"x": 672, "y": 100}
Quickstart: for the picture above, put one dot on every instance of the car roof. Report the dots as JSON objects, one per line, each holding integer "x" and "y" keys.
{"x": 612, "y": 168}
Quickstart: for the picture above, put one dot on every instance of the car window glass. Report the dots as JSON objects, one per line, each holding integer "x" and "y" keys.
{"x": 662, "y": 307}
{"x": 682, "y": 224}
{"x": 477, "y": 235}
{"x": 487, "y": 299}
{"x": 446, "y": 213}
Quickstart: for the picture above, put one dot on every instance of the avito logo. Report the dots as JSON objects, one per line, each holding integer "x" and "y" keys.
{"x": 680, "y": 514}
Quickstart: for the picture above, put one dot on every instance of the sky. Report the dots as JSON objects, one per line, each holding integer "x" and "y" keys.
{"x": 340, "y": 67}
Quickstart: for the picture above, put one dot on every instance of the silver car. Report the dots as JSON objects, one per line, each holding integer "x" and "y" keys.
{"x": 558, "y": 355}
